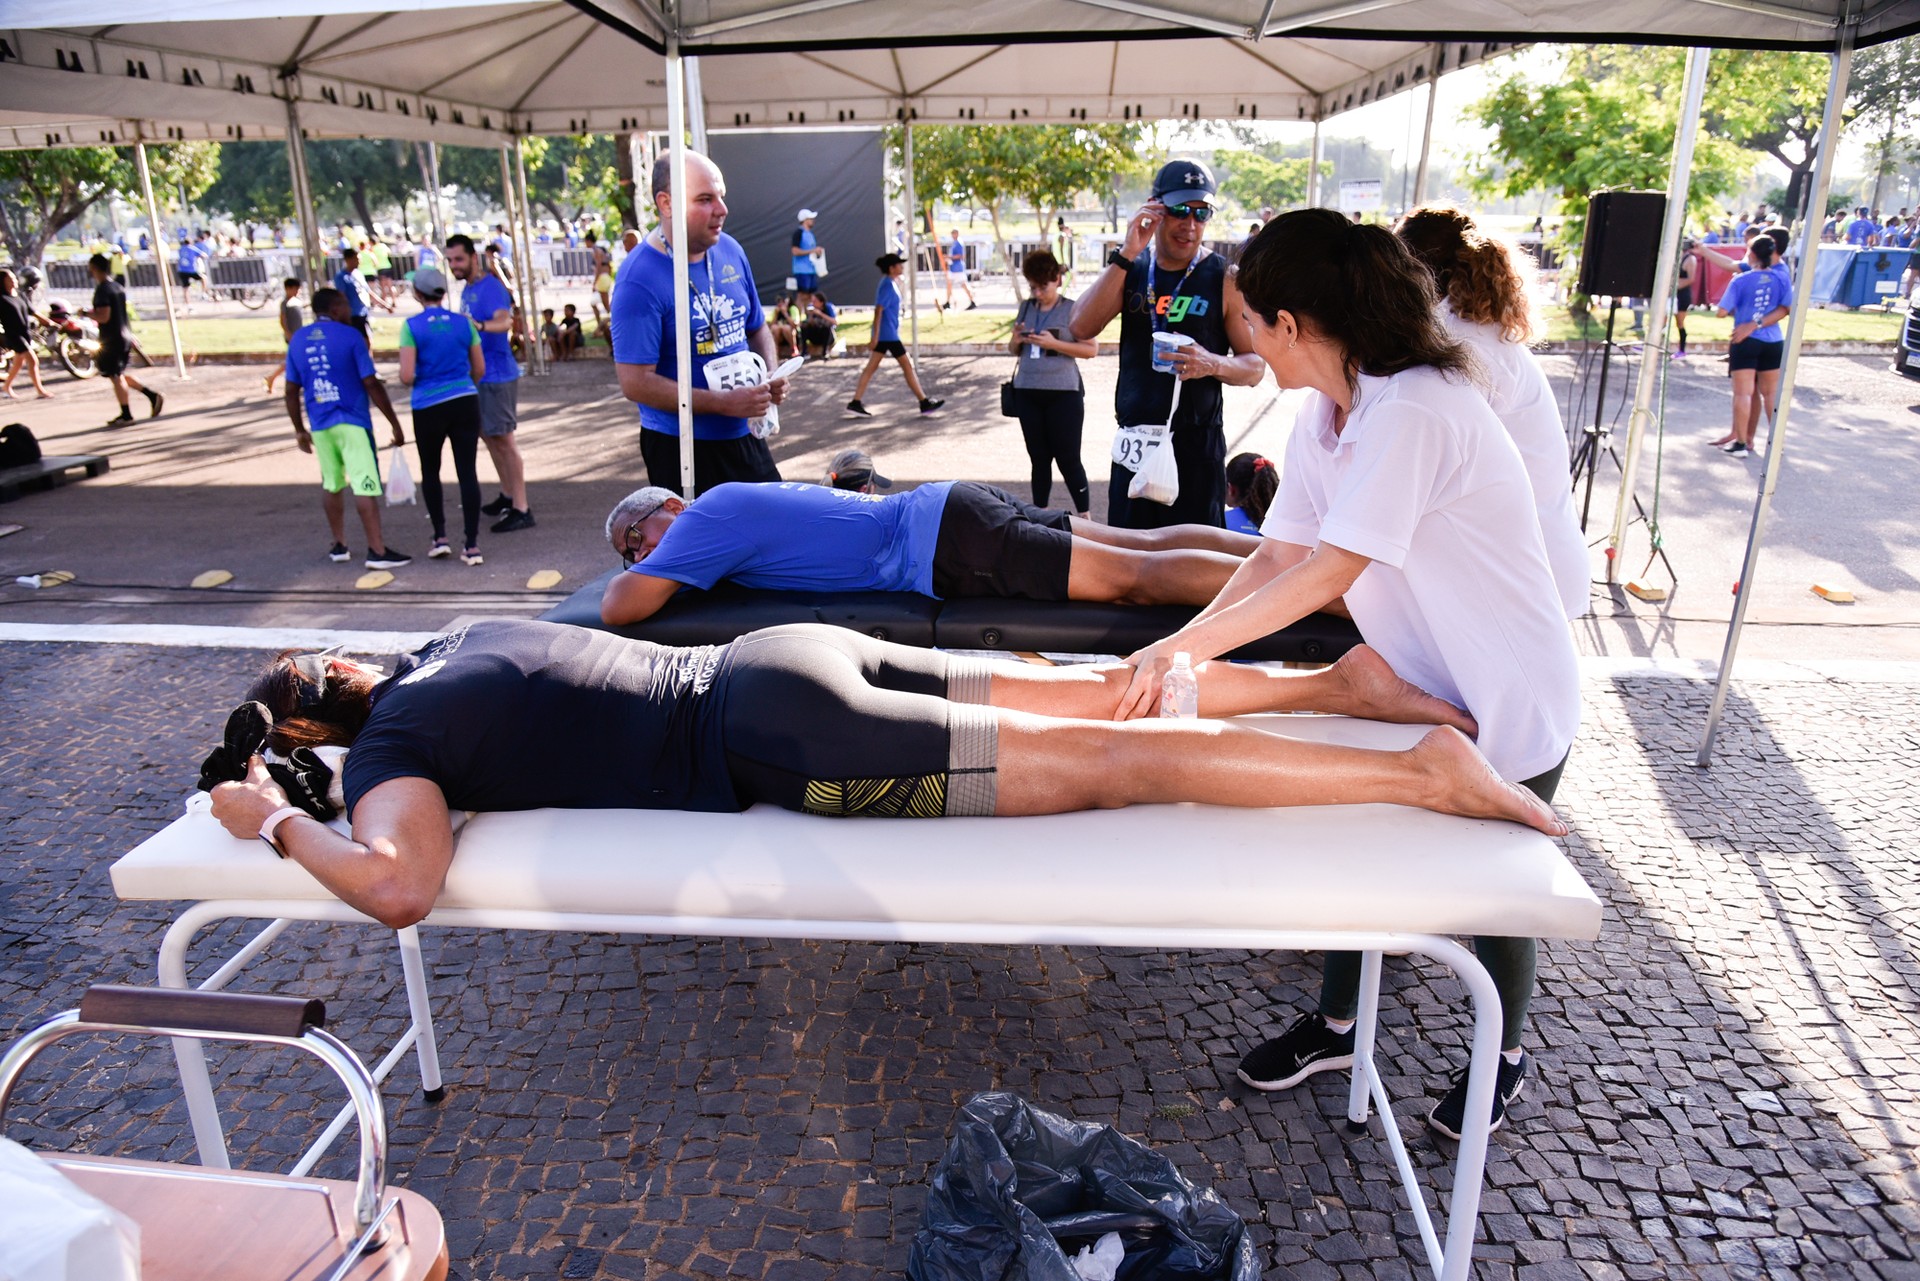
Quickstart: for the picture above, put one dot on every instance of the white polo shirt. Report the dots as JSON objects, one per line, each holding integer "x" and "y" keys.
{"x": 1523, "y": 401}
{"x": 1424, "y": 482}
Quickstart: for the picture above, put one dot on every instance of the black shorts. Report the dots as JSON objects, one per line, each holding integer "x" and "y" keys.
{"x": 113, "y": 358}
{"x": 365, "y": 325}
{"x": 715, "y": 462}
{"x": 826, "y": 721}
{"x": 186, "y": 277}
{"x": 992, "y": 544}
{"x": 890, "y": 347}
{"x": 1756, "y": 354}
{"x": 13, "y": 342}
{"x": 388, "y": 273}
{"x": 1683, "y": 301}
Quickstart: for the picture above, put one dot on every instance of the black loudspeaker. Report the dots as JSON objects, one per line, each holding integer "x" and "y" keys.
{"x": 1619, "y": 255}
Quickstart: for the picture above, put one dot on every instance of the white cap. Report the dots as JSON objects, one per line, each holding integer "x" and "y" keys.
{"x": 806, "y": 214}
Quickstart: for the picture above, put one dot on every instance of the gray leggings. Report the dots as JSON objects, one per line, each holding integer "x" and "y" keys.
{"x": 1510, "y": 961}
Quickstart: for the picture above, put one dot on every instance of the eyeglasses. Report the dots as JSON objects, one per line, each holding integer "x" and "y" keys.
{"x": 1199, "y": 213}
{"x": 629, "y": 553}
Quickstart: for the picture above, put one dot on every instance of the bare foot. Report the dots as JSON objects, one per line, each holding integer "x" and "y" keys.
{"x": 1464, "y": 784}
{"x": 1372, "y": 690}
{"x": 44, "y": 395}
{"x": 1724, "y": 440}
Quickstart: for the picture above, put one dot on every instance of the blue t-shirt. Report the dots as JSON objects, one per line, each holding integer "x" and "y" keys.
{"x": 441, "y": 368}
{"x": 349, "y": 282}
{"x": 329, "y": 363}
{"x": 956, "y": 255}
{"x": 886, "y": 310}
{"x": 1238, "y": 522}
{"x": 725, "y": 310}
{"x": 1752, "y": 296}
{"x": 795, "y": 537}
{"x": 1859, "y": 229}
{"x": 425, "y": 255}
{"x": 803, "y": 268}
{"x": 481, "y": 301}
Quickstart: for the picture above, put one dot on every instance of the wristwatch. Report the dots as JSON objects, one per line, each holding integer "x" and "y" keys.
{"x": 1117, "y": 259}
{"x": 272, "y": 825}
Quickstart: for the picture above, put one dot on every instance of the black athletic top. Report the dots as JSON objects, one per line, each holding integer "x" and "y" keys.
{"x": 1150, "y": 300}
{"x": 514, "y": 715}
{"x": 114, "y": 329}
{"x": 13, "y": 319}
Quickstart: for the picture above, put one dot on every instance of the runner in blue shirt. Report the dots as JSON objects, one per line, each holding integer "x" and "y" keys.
{"x": 1756, "y": 301}
{"x": 947, "y": 539}
{"x": 805, "y": 277}
{"x": 487, "y": 302}
{"x": 955, "y": 254}
{"x": 352, "y": 287}
{"x": 1862, "y": 231}
{"x": 725, "y": 319}
{"x": 330, "y": 375}
{"x": 440, "y": 359}
{"x": 886, "y": 339}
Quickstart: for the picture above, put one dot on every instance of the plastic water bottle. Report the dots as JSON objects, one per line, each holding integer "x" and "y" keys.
{"x": 1180, "y": 692}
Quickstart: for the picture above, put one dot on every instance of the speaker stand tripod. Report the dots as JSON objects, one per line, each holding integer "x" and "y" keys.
{"x": 1586, "y": 459}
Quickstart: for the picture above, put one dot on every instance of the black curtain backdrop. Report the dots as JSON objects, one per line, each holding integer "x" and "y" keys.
{"x": 839, "y": 173}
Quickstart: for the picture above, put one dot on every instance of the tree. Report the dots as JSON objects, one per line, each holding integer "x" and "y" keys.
{"x": 361, "y": 174}
{"x": 255, "y": 182}
{"x": 1608, "y": 121}
{"x": 41, "y": 192}
{"x": 1260, "y": 182}
{"x": 1882, "y": 95}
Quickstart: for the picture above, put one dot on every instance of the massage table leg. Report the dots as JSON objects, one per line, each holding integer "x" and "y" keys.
{"x": 1366, "y": 1023}
{"x": 420, "y": 1007}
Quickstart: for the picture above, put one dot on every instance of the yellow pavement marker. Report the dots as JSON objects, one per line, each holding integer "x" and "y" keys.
{"x": 212, "y": 578}
{"x": 1650, "y": 592}
{"x": 1833, "y": 593}
{"x": 52, "y": 578}
{"x": 544, "y": 579}
{"x": 373, "y": 578}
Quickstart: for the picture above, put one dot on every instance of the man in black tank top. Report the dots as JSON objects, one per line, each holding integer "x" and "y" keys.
{"x": 1165, "y": 280}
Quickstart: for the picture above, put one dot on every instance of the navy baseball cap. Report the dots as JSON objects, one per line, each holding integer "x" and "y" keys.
{"x": 1180, "y": 181}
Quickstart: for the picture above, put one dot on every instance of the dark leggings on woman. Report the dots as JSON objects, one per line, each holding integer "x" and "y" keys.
{"x": 457, "y": 423}
{"x": 1051, "y": 421}
{"x": 1510, "y": 962}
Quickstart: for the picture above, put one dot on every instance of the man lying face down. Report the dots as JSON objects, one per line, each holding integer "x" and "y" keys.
{"x": 509, "y": 714}
{"x": 953, "y": 538}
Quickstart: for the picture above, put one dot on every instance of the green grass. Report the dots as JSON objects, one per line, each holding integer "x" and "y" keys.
{"x": 221, "y": 337}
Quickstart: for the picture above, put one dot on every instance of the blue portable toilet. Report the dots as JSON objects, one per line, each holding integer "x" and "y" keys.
{"x": 1873, "y": 278}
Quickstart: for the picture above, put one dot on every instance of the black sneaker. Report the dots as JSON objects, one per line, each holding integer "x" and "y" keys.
{"x": 1451, "y": 1112}
{"x": 1738, "y": 450}
{"x": 928, "y": 405}
{"x": 855, "y": 407}
{"x": 971, "y": 305}
{"x": 515, "y": 519}
{"x": 498, "y": 507}
{"x": 155, "y": 403}
{"x": 125, "y": 417}
{"x": 1307, "y": 1047}
{"x": 388, "y": 559}
{"x": 339, "y": 554}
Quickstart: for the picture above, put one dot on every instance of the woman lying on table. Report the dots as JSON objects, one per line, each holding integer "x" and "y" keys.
{"x": 1402, "y": 494}
{"x": 510, "y": 715}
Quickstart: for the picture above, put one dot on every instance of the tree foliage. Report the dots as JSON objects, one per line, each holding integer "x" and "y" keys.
{"x": 1258, "y": 181}
{"x": 41, "y": 192}
{"x": 1883, "y": 99}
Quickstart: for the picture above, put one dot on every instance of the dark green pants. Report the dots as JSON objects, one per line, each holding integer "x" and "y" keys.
{"x": 1510, "y": 961}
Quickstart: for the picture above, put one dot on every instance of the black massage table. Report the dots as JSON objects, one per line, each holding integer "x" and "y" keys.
{"x": 1073, "y": 627}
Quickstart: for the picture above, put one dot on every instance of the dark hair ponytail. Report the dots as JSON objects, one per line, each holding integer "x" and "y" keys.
{"x": 1354, "y": 285}
{"x": 1766, "y": 249}
{"x": 1255, "y": 479}
{"x": 310, "y": 712}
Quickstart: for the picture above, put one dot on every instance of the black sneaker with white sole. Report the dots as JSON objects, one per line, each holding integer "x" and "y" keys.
{"x": 1307, "y": 1047}
{"x": 339, "y": 554}
{"x": 388, "y": 559}
{"x": 514, "y": 519}
{"x": 1450, "y": 1113}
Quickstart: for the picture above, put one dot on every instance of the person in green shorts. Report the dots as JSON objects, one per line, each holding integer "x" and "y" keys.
{"x": 330, "y": 376}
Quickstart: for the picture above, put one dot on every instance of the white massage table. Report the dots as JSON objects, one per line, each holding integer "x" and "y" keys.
{"x": 1368, "y": 878}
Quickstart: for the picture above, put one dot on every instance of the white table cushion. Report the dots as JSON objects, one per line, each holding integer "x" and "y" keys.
{"x": 1333, "y": 868}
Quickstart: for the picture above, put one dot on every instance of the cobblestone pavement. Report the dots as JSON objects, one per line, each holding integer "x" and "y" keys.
{"x": 1728, "y": 1076}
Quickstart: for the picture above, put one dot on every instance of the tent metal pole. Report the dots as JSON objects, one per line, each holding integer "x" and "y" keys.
{"x": 160, "y": 256}
{"x": 434, "y": 213}
{"x": 535, "y": 342}
{"x": 311, "y": 247}
{"x": 1313, "y": 169}
{"x": 1426, "y": 134}
{"x": 696, "y": 107}
{"x": 913, "y": 246}
{"x": 1808, "y": 235}
{"x": 1679, "y": 180}
{"x": 677, "y": 233}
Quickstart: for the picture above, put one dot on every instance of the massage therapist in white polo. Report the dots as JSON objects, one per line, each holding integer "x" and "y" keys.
{"x": 1402, "y": 494}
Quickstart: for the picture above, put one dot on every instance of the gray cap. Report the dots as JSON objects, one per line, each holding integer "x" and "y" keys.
{"x": 429, "y": 282}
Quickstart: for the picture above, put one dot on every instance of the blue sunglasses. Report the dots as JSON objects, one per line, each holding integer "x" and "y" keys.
{"x": 1199, "y": 213}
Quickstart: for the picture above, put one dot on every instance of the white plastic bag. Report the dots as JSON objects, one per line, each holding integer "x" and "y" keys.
{"x": 1100, "y": 1261}
{"x": 50, "y": 1230}
{"x": 401, "y": 491}
{"x": 1158, "y": 479}
{"x": 820, "y": 263}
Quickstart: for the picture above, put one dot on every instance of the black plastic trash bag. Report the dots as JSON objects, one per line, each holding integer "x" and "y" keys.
{"x": 1020, "y": 1190}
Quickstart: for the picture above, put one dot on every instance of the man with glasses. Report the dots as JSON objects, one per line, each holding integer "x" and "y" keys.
{"x": 1164, "y": 280}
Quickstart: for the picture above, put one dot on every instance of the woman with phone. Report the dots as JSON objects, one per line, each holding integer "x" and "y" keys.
{"x": 1051, "y": 397}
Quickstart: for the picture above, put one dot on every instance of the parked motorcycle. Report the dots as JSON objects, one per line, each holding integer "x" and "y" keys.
{"x": 69, "y": 337}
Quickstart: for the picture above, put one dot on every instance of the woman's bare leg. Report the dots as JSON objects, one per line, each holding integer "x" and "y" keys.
{"x": 1059, "y": 766}
{"x": 913, "y": 379}
{"x": 1204, "y": 538}
{"x": 866, "y": 374}
{"x": 1359, "y": 684}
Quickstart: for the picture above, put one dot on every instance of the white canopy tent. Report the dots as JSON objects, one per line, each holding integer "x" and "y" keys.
{"x": 451, "y": 70}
